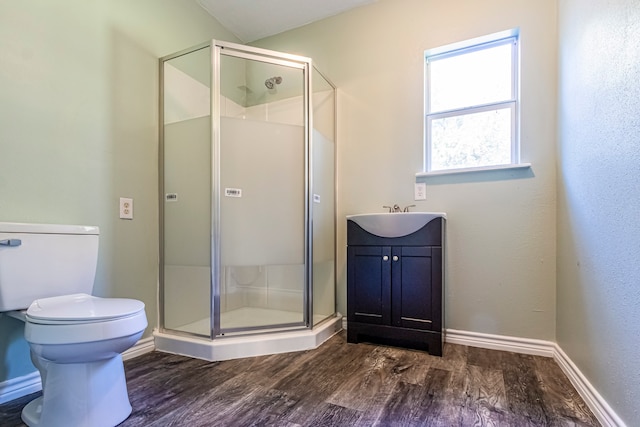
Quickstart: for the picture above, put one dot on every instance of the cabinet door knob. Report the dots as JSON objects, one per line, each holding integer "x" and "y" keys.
{"x": 385, "y": 258}
{"x": 395, "y": 257}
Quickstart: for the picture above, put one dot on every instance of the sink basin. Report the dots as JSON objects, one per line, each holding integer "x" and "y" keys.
{"x": 394, "y": 224}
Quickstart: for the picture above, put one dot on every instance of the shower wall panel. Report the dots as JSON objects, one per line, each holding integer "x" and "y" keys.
{"x": 323, "y": 226}
{"x": 187, "y": 245}
{"x": 324, "y": 198}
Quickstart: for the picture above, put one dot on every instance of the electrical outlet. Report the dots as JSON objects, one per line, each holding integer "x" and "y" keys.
{"x": 420, "y": 191}
{"x": 126, "y": 208}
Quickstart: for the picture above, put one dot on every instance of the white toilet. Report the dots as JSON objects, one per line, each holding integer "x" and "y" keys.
{"x": 76, "y": 339}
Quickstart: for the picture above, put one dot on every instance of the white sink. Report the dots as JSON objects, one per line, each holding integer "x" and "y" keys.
{"x": 395, "y": 224}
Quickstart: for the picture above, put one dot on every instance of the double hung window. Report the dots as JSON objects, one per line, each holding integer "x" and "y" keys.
{"x": 471, "y": 104}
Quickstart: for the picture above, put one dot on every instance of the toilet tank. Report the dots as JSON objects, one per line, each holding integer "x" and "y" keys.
{"x": 45, "y": 260}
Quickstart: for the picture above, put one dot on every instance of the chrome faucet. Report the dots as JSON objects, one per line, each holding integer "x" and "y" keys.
{"x": 396, "y": 208}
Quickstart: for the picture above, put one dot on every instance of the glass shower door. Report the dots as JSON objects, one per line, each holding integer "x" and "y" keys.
{"x": 186, "y": 191}
{"x": 261, "y": 200}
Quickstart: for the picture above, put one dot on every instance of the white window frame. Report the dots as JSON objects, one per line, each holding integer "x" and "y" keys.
{"x": 513, "y": 104}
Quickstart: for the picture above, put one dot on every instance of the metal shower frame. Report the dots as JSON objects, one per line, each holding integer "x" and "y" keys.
{"x": 218, "y": 48}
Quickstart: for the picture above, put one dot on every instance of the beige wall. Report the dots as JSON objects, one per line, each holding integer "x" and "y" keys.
{"x": 79, "y": 129}
{"x": 501, "y": 225}
{"x": 599, "y": 197}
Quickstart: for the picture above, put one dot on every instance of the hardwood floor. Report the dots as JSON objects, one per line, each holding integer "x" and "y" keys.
{"x": 341, "y": 384}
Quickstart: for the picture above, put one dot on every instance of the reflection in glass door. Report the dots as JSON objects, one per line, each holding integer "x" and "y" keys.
{"x": 260, "y": 197}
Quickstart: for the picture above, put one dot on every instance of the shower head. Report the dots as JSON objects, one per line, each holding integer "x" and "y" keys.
{"x": 272, "y": 82}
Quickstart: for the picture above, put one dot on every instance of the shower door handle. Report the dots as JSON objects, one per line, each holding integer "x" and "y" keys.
{"x": 10, "y": 242}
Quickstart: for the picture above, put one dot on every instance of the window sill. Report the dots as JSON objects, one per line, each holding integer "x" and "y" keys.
{"x": 470, "y": 170}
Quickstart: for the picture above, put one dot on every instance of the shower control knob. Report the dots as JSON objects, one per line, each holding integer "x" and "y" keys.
{"x": 385, "y": 258}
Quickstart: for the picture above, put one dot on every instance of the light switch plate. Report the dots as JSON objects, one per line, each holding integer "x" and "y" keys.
{"x": 126, "y": 208}
{"x": 420, "y": 191}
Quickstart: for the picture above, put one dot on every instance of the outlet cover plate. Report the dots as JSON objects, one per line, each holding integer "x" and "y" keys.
{"x": 126, "y": 208}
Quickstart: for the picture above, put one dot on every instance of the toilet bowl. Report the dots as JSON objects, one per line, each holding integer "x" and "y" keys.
{"x": 76, "y": 342}
{"x": 76, "y": 339}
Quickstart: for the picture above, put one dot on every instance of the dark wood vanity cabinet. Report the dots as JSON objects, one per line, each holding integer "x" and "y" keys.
{"x": 394, "y": 287}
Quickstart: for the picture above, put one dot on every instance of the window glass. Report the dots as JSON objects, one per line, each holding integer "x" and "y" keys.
{"x": 469, "y": 79}
{"x": 471, "y": 140}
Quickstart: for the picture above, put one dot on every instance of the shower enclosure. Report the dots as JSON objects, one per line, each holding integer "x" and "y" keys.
{"x": 247, "y": 160}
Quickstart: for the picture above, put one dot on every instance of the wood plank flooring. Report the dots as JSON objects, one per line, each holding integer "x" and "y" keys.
{"x": 341, "y": 384}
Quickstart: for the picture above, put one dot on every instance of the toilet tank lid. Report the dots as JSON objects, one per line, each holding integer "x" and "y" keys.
{"x": 79, "y": 307}
{"x": 21, "y": 227}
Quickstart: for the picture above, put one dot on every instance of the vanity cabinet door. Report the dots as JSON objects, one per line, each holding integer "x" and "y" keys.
{"x": 369, "y": 284}
{"x": 413, "y": 297}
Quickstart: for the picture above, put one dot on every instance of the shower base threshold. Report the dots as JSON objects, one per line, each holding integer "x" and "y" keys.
{"x": 235, "y": 347}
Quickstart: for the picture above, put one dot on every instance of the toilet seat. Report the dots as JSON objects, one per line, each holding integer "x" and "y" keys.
{"x": 82, "y": 318}
{"x": 83, "y": 308}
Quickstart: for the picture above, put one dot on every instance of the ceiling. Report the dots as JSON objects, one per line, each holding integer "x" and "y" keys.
{"x": 252, "y": 20}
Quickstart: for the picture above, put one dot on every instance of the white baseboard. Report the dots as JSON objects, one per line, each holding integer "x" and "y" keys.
{"x": 143, "y": 346}
{"x": 21, "y": 386}
{"x": 589, "y": 394}
{"x": 30, "y": 383}
{"x": 500, "y": 342}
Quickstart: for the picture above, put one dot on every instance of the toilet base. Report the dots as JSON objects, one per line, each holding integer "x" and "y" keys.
{"x": 90, "y": 394}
